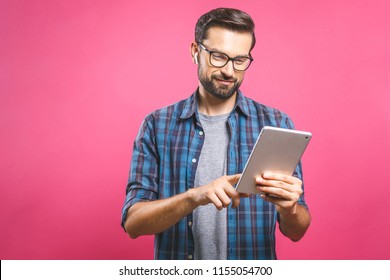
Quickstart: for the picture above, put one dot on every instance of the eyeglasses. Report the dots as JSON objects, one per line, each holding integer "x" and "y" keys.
{"x": 218, "y": 59}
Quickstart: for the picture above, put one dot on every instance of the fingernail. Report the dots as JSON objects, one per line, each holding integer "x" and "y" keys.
{"x": 259, "y": 180}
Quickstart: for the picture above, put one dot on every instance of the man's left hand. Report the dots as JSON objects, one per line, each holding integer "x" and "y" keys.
{"x": 282, "y": 190}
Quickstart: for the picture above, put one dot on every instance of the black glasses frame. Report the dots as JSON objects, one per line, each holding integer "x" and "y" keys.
{"x": 229, "y": 58}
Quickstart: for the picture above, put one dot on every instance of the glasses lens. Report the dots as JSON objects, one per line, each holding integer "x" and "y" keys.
{"x": 241, "y": 63}
{"x": 218, "y": 59}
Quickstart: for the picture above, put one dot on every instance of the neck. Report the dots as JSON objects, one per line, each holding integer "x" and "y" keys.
{"x": 212, "y": 106}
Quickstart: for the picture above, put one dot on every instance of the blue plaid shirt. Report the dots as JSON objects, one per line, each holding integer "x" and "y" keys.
{"x": 165, "y": 155}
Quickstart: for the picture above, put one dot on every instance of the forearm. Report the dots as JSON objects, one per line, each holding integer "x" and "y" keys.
{"x": 152, "y": 217}
{"x": 294, "y": 225}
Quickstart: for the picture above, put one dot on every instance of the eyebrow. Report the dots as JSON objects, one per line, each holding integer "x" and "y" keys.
{"x": 216, "y": 50}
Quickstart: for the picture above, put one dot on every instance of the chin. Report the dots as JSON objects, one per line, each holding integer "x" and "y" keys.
{"x": 223, "y": 96}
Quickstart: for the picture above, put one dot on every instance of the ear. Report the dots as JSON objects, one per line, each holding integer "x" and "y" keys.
{"x": 194, "y": 52}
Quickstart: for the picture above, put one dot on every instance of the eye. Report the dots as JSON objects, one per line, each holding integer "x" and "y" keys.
{"x": 241, "y": 60}
{"x": 219, "y": 56}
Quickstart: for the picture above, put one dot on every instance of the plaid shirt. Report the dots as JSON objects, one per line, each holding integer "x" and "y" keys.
{"x": 164, "y": 161}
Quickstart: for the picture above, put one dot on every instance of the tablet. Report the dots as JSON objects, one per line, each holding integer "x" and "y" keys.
{"x": 277, "y": 150}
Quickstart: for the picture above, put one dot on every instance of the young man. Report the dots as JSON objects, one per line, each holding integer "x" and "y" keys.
{"x": 188, "y": 156}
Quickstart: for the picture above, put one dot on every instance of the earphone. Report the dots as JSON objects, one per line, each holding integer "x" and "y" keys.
{"x": 196, "y": 58}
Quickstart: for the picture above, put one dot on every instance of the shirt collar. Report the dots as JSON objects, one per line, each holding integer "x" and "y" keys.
{"x": 191, "y": 105}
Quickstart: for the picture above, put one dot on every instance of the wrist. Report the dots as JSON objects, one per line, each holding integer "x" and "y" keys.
{"x": 192, "y": 198}
{"x": 289, "y": 212}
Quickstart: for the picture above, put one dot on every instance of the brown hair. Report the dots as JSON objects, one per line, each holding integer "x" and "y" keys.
{"x": 231, "y": 19}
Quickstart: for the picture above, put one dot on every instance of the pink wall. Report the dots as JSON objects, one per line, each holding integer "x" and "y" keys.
{"x": 77, "y": 78}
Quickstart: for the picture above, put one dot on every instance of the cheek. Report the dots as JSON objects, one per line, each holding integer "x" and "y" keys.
{"x": 205, "y": 72}
{"x": 240, "y": 77}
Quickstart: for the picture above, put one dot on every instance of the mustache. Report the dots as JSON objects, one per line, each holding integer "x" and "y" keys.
{"x": 223, "y": 78}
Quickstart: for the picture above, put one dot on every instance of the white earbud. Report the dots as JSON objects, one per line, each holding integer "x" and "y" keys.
{"x": 196, "y": 58}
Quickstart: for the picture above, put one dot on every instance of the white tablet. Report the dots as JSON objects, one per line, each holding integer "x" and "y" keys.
{"x": 277, "y": 150}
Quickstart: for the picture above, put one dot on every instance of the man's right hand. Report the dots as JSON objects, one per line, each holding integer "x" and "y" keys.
{"x": 164, "y": 213}
{"x": 219, "y": 192}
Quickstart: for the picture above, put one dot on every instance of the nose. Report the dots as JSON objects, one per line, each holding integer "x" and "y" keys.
{"x": 228, "y": 69}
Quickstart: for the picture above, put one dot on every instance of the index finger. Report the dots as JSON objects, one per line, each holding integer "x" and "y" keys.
{"x": 233, "y": 179}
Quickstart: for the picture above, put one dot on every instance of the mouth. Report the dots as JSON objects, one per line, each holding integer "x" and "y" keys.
{"x": 224, "y": 81}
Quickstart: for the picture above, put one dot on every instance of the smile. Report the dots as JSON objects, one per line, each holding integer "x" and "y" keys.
{"x": 224, "y": 82}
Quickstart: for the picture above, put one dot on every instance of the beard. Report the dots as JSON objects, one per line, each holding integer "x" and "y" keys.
{"x": 219, "y": 91}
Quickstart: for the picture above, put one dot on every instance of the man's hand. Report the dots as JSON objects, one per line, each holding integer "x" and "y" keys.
{"x": 282, "y": 190}
{"x": 219, "y": 192}
{"x": 164, "y": 213}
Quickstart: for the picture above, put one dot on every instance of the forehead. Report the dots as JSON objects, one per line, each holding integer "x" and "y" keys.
{"x": 232, "y": 43}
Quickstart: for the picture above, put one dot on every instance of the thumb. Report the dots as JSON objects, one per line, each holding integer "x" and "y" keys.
{"x": 233, "y": 179}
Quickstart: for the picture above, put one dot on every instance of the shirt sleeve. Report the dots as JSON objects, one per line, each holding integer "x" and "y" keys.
{"x": 143, "y": 176}
{"x": 287, "y": 123}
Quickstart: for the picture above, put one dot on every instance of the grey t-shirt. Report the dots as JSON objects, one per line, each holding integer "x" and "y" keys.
{"x": 209, "y": 225}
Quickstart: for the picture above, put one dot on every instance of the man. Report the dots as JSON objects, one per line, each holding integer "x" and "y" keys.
{"x": 178, "y": 187}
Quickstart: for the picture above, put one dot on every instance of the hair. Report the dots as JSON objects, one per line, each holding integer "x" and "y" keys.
{"x": 231, "y": 19}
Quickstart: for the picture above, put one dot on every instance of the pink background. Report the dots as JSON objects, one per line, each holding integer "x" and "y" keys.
{"x": 77, "y": 78}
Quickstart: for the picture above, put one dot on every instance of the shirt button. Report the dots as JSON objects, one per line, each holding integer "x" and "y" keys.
{"x": 201, "y": 133}
{"x": 189, "y": 223}
{"x": 190, "y": 257}
{"x": 193, "y": 160}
